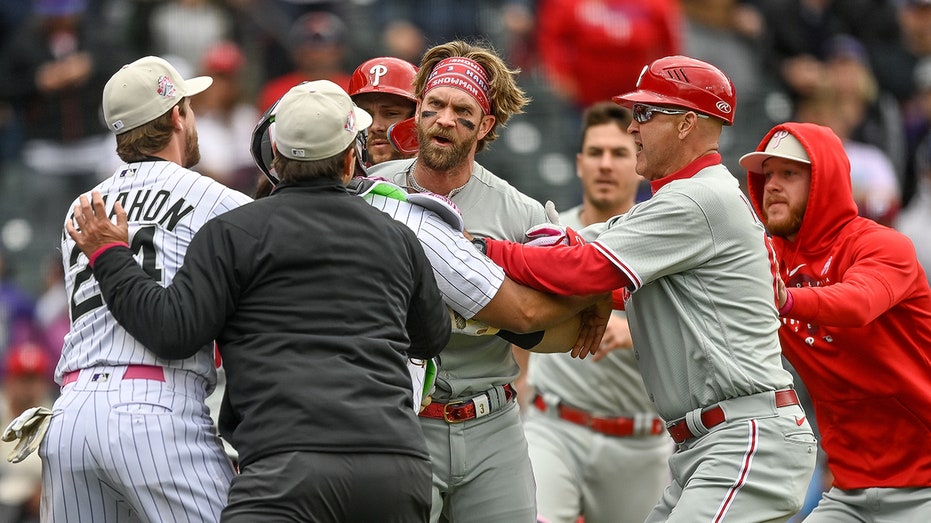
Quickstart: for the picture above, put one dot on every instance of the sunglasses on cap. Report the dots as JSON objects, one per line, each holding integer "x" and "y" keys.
{"x": 644, "y": 113}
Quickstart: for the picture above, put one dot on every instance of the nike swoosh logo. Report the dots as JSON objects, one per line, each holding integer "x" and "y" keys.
{"x": 795, "y": 270}
{"x": 799, "y": 421}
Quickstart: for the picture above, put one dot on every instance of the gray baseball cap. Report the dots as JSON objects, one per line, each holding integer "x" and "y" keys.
{"x": 781, "y": 145}
{"x": 144, "y": 90}
{"x": 317, "y": 120}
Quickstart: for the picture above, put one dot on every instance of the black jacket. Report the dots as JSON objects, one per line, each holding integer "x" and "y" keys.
{"x": 315, "y": 299}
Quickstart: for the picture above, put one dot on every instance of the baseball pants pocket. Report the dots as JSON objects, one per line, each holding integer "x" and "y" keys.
{"x": 801, "y": 451}
{"x": 141, "y": 408}
{"x": 804, "y": 438}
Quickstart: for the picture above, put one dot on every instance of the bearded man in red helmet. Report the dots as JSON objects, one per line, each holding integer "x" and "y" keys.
{"x": 693, "y": 270}
{"x": 384, "y": 88}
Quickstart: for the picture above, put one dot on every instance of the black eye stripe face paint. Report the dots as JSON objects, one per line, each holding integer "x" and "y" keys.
{"x": 427, "y": 114}
{"x": 466, "y": 123}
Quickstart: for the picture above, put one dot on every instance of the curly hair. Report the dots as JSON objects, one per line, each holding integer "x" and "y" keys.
{"x": 507, "y": 98}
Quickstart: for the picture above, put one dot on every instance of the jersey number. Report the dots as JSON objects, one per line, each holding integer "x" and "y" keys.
{"x": 143, "y": 244}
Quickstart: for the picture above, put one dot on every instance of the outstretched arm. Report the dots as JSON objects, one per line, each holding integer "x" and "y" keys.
{"x": 881, "y": 276}
{"x": 521, "y": 309}
{"x": 567, "y": 270}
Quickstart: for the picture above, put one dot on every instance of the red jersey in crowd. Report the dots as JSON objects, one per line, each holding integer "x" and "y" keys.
{"x": 595, "y": 49}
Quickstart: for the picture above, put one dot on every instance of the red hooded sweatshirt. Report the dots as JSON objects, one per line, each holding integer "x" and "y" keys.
{"x": 859, "y": 328}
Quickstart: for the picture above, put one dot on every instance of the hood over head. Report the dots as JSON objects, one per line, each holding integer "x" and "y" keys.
{"x": 830, "y": 199}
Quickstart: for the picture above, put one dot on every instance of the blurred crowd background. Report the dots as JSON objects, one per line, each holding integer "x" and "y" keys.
{"x": 862, "y": 67}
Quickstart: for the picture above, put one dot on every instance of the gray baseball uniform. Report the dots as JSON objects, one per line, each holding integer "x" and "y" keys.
{"x": 481, "y": 468}
{"x": 700, "y": 299}
{"x": 131, "y": 438}
{"x": 597, "y": 447}
{"x": 704, "y": 322}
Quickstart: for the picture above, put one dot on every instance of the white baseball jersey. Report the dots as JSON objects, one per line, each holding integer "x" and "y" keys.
{"x": 481, "y": 468}
{"x": 123, "y": 446}
{"x": 467, "y": 279}
{"x": 165, "y": 205}
{"x": 491, "y": 208}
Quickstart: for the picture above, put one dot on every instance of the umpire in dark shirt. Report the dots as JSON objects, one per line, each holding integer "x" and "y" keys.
{"x": 316, "y": 300}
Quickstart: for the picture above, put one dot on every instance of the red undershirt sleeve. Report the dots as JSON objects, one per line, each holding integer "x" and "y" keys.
{"x": 618, "y": 297}
{"x": 560, "y": 269}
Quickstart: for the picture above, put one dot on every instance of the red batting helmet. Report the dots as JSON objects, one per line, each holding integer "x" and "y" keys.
{"x": 385, "y": 74}
{"x": 684, "y": 82}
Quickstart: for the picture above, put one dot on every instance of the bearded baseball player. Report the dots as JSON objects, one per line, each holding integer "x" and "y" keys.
{"x": 856, "y": 325}
{"x": 692, "y": 268}
{"x": 317, "y": 401}
{"x": 130, "y": 438}
{"x": 481, "y": 468}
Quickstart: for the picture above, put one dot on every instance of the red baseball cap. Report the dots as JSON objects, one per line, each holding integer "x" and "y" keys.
{"x": 27, "y": 358}
{"x": 224, "y": 57}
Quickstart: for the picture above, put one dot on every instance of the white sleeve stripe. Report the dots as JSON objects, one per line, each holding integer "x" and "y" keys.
{"x": 613, "y": 258}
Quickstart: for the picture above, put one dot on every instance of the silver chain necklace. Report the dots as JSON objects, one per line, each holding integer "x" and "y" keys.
{"x": 412, "y": 182}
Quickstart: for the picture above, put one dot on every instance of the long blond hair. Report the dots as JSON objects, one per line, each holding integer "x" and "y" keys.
{"x": 507, "y": 98}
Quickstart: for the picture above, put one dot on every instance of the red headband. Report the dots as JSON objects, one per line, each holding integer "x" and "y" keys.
{"x": 463, "y": 74}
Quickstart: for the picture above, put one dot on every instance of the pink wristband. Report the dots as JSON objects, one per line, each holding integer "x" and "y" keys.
{"x": 100, "y": 251}
{"x": 787, "y": 306}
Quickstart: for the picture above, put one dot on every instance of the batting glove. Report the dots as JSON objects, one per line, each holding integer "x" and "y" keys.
{"x": 29, "y": 428}
{"x": 552, "y": 233}
{"x": 551, "y": 214}
{"x": 460, "y": 325}
{"x": 423, "y": 381}
{"x": 548, "y": 234}
{"x": 441, "y": 205}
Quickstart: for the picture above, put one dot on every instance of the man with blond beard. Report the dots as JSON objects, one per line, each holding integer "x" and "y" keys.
{"x": 856, "y": 325}
{"x": 481, "y": 468}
